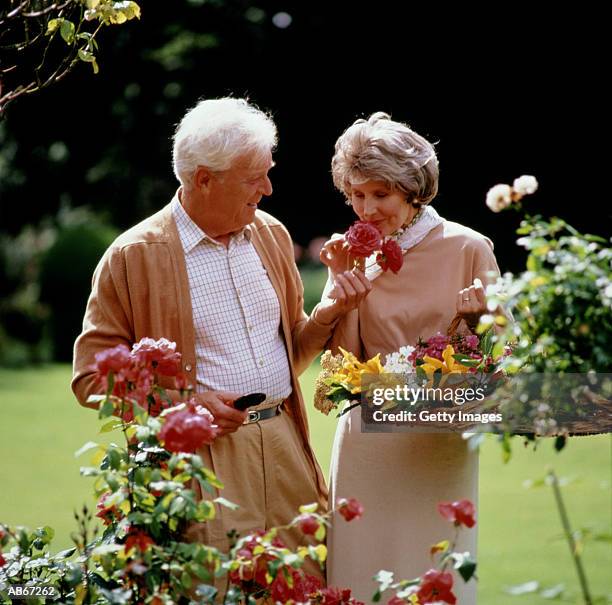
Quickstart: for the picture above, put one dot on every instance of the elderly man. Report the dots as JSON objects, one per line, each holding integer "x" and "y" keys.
{"x": 217, "y": 276}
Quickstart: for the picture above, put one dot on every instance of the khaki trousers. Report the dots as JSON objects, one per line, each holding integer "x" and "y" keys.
{"x": 265, "y": 471}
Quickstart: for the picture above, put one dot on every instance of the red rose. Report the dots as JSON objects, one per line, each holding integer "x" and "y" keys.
{"x": 436, "y": 586}
{"x": 460, "y": 512}
{"x": 160, "y": 354}
{"x": 363, "y": 239}
{"x": 308, "y": 524}
{"x": 106, "y": 513}
{"x": 338, "y": 596}
{"x": 2, "y": 560}
{"x": 390, "y": 256}
{"x": 138, "y": 539}
{"x": 188, "y": 429}
{"x": 350, "y": 509}
{"x": 305, "y": 586}
{"x": 113, "y": 360}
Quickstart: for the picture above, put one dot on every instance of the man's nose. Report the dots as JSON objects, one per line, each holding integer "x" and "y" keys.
{"x": 266, "y": 187}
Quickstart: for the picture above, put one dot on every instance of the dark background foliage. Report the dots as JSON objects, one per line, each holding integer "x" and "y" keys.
{"x": 502, "y": 91}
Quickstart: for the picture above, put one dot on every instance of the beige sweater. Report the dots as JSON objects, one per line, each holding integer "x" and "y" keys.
{"x": 141, "y": 288}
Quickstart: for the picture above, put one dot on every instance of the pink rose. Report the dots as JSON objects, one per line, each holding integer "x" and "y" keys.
{"x": 160, "y": 354}
{"x": 460, "y": 512}
{"x": 435, "y": 587}
{"x": 188, "y": 429}
{"x": 113, "y": 360}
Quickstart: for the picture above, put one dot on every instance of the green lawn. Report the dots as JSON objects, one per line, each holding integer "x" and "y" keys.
{"x": 41, "y": 425}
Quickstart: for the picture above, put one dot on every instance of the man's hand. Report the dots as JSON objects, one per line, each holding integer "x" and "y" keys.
{"x": 219, "y": 404}
{"x": 350, "y": 288}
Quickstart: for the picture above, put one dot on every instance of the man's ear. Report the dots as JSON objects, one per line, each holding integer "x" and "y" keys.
{"x": 202, "y": 177}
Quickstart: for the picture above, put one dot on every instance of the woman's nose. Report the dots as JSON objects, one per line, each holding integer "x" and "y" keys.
{"x": 370, "y": 207}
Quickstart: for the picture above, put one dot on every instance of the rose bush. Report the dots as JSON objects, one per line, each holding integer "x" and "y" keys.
{"x": 146, "y": 501}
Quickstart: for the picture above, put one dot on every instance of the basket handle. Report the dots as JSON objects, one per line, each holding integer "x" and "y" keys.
{"x": 454, "y": 325}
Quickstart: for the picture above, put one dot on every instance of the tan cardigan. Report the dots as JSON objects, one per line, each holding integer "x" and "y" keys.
{"x": 141, "y": 288}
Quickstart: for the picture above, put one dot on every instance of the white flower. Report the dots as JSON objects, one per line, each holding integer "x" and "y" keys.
{"x": 525, "y": 185}
{"x": 499, "y": 197}
{"x": 397, "y": 362}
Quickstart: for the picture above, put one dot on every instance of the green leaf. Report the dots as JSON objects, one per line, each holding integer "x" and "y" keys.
{"x": 86, "y": 56}
{"x": 466, "y": 361}
{"x": 465, "y": 565}
{"x": 177, "y": 506}
{"x": 224, "y": 502}
{"x": 320, "y": 533}
{"x": 114, "y": 459}
{"x": 45, "y": 534}
{"x": 107, "y": 409}
{"x": 309, "y": 508}
{"x": 67, "y": 31}
{"x": 53, "y": 25}
{"x": 65, "y": 554}
{"x": 90, "y": 445}
{"x": 186, "y": 580}
{"x": 201, "y": 572}
{"x": 106, "y": 549}
{"x": 110, "y": 426}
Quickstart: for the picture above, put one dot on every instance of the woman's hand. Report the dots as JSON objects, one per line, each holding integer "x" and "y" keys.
{"x": 335, "y": 255}
{"x": 472, "y": 303}
{"x": 350, "y": 288}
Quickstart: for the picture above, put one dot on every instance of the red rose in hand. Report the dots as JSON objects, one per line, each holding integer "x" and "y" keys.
{"x": 363, "y": 238}
{"x": 390, "y": 256}
{"x": 435, "y": 587}
{"x": 188, "y": 429}
{"x": 460, "y": 512}
{"x": 308, "y": 524}
{"x": 350, "y": 509}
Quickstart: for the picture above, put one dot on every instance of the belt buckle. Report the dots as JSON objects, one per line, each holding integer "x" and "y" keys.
{"x": 254, "y": 416}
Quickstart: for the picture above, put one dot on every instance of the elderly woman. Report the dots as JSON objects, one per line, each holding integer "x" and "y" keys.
{"x": 389, "y": 175}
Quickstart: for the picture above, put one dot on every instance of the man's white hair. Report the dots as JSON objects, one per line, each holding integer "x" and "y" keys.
{"x": 216, "y": 132}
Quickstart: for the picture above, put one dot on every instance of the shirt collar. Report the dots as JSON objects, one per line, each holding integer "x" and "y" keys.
{"x": 191, "y": 235}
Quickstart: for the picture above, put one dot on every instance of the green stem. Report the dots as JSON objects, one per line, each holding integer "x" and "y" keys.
{"x": 570, "y": 538}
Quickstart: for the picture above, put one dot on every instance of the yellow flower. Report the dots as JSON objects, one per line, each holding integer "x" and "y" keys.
{"x": 449, "y": 366}
{"x": 352, "y": 370}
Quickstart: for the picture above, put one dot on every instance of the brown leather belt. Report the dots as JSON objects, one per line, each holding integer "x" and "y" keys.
{"x": 257, "y": 415}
